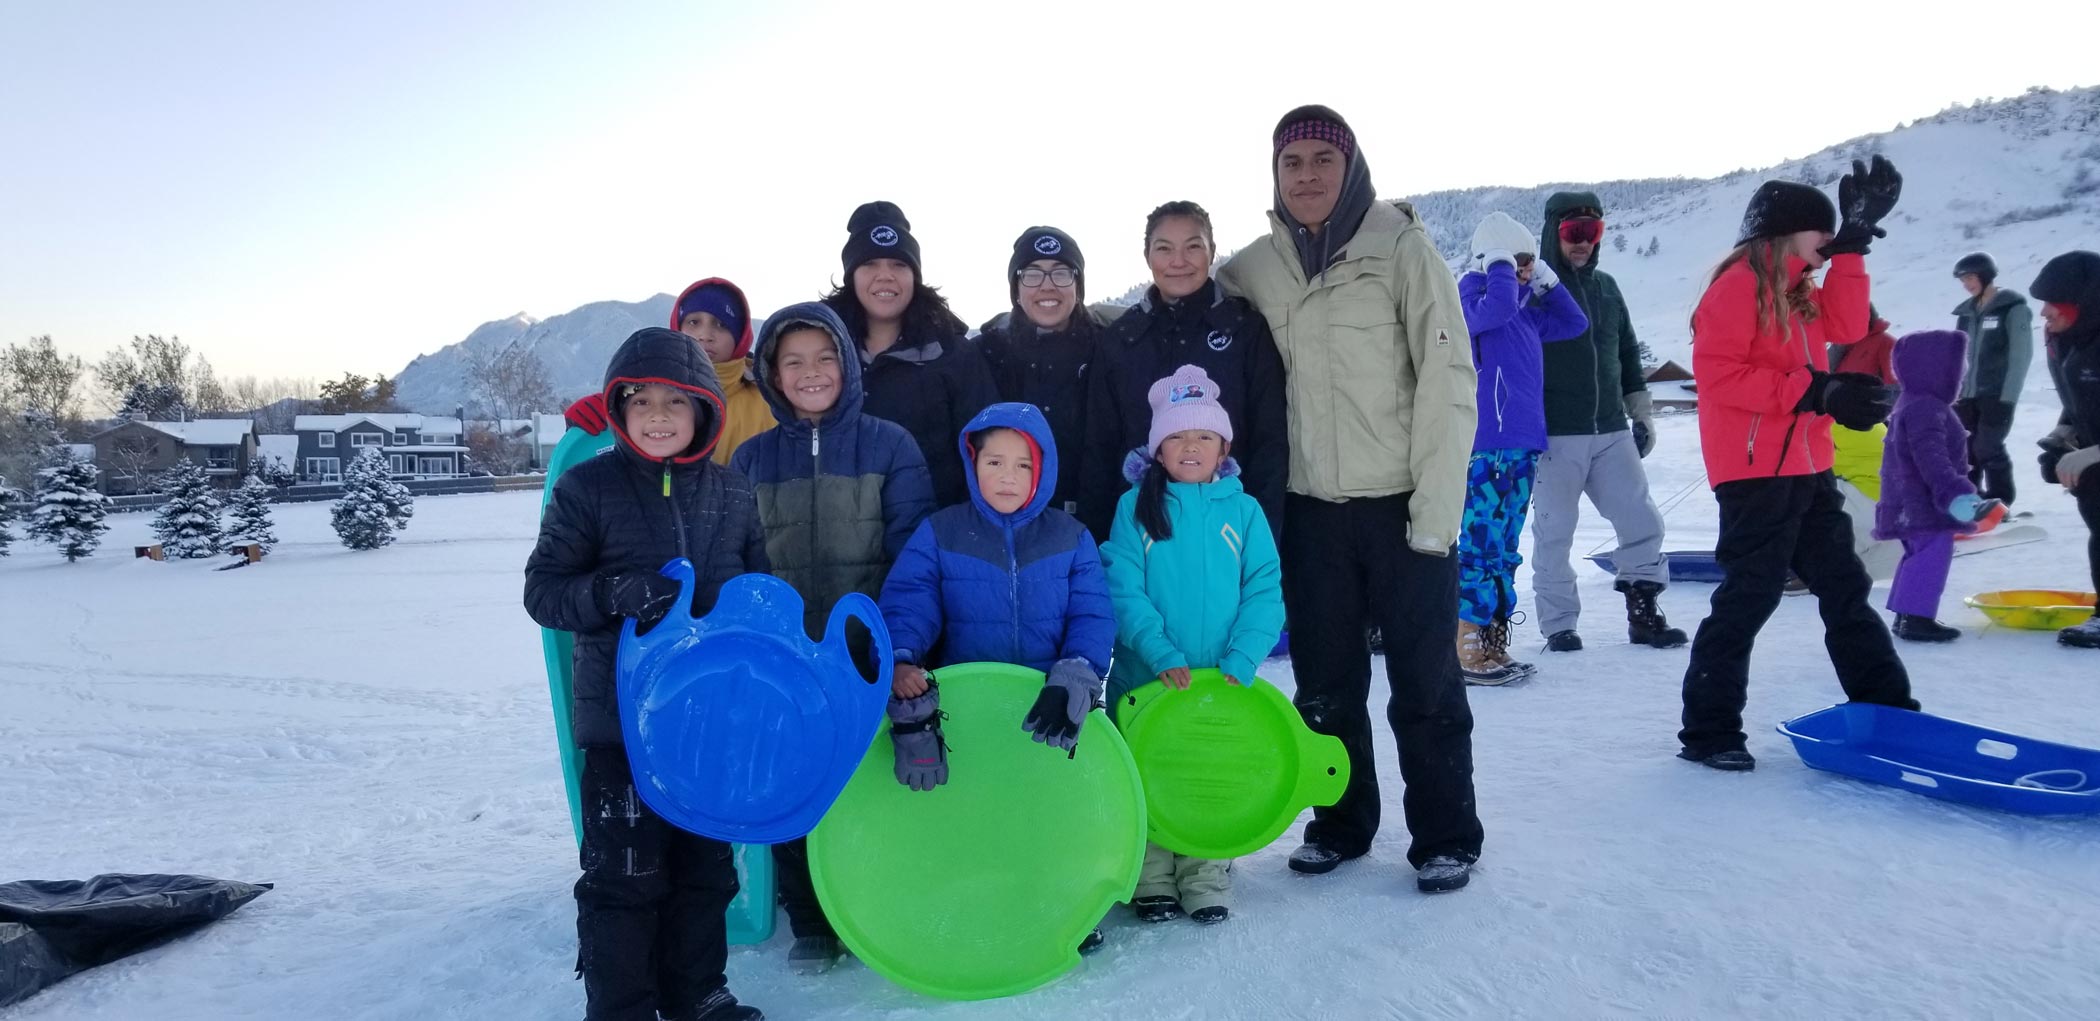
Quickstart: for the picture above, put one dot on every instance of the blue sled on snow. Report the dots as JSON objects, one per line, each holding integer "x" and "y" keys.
{"x": 738, "y": 726}
{"x": 1948, "y": 759}
{"x": 1685, "y": 565}
{"x": 751, "y": 914}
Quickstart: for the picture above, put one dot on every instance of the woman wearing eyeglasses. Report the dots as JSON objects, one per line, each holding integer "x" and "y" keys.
{"x": 1038, "y": 352}
{"x": 1185, "y": 318}
{"x": 1594, "y": 387}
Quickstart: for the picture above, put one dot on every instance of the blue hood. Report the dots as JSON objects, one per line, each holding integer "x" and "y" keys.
{"x": 1028, "y": 420}
{"x": 820, "y": 315}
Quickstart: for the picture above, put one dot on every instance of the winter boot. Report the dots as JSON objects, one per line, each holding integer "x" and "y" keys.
{"x": 1795, "y": 586}
{"x": 719, "y": 1006}
{"x": 1092, "y": 942}
{"x": 815, "y": 955}
{"x": 1645, "y": 624}
{"x": 1211, "y": 915}
{"x": 1473, "y": 659}
{"x": 1375, "y": 637}
{"x": 2081, "y": 636}
{"x": 1442, "y": 874}
{"x": 1156, "y": 908}
{"x": 1733, "y": 761}
{"x": 1564, "y": 641}
{"x": 1312, "y": 859}
{"x": 1913, "y": 628}
{"x": 1496, "y": 637}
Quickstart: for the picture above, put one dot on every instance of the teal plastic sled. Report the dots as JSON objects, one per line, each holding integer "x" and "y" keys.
{"x": 751, "y": 913}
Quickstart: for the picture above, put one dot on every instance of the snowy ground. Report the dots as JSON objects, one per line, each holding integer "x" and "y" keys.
{"x": 370, "y": 732}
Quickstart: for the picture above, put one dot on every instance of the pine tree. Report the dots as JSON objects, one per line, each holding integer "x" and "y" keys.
{"x": 187, "y": 525}
{"x": 69, "y": 511}
{"x": 364, "y": 517}
{"x": 249, "y": 513}
{"x": 400, "y": 503}
{"x": 1618, "y": 242}
{"x": 10, "y": 507}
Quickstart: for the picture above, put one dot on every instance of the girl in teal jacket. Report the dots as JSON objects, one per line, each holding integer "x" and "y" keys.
{"x": 1194, "y": 576}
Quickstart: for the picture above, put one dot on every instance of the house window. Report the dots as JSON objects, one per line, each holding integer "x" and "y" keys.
{"x": 400, "y": 464}
{"x": 435, "y": 466}
{"x": 438, "y": 439}
{"x": 327, "y": 439}
{"x": 368, "y": 439}
{"x": 218, "y": 458}
{"x": 326, "y": 469}
{"x": 400, "y": 439}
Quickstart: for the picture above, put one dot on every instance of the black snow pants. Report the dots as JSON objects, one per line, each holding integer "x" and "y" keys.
{"x": 798, "y": 894}
{"x": 1990, "y": 467}
{"x": 1347, "y": 566}
{"x": 1767, "y": 527}
{"x": 650, "y": 928}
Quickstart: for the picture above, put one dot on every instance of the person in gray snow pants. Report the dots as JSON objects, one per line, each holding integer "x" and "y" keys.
{"x": 1593, "y": 388}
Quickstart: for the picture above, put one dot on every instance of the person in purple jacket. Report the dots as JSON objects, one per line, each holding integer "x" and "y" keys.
{"x": 1926, "y": 495}
{"x": 1513, "y": 302}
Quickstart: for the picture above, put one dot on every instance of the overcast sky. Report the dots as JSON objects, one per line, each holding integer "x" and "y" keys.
{"x": 300, "y": 189}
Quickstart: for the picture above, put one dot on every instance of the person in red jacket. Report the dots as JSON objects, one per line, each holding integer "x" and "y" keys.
{"x": 1766, "y": 403}
{"x": 1873, "y": 354}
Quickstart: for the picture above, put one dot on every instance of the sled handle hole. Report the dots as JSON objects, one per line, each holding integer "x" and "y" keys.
{"x": 1331, "y": 771}
{"x": 1919, "y": 779}
{"x": 1997, "y": 749}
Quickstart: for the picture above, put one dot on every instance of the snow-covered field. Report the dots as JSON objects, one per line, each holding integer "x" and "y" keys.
{"x": 370, "y": 732}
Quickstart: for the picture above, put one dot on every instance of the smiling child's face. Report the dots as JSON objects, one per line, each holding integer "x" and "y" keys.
{"x": 1192, "y": 456}
{"x": 1005, "y": 470}
{"x": 659, "y": 420}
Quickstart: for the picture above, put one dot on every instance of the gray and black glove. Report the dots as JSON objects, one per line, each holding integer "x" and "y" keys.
{"x": 644, "y": 595}
{"x": 915, "y": 730}
{"x": 1640, "y": 408}
{"x": 1070, "y": 691}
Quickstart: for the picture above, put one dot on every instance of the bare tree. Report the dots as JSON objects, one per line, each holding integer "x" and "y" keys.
{"x": 271, "y": 402}
{"x": 39, "y": 381}
{"x": 512, "y": 383}
{"x": 154, "y": 361}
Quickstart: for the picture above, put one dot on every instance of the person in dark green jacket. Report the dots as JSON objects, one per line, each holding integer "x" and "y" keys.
{"x": 839, "y": 492}
{"x": 1593, "y": 387}
{"x": 2001, "y": 346}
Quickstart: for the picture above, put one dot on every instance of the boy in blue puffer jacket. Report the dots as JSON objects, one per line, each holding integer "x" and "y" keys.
{"x": 1193, "y": 572}
{"x": 838, "y": 492}
{"x": 1513, "y": 302}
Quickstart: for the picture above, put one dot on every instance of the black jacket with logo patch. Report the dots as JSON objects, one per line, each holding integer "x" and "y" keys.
{"x": 1229, "y": 341}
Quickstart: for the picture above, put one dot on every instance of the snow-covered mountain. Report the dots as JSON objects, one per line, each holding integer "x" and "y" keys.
{"x": 2018, "y": 178}
{"x": 573, "y": 346}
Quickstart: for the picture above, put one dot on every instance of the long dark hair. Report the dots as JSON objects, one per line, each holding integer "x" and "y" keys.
{"x": 928, "y": 315}
{"x": 1152, "y": 502}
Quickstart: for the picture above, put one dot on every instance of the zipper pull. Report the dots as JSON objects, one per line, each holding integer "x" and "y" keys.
{"x": 667, "y": 478}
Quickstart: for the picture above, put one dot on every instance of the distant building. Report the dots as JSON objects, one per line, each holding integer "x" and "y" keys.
{"x": 132, "y": 452}
{"x": 416, "y": 446}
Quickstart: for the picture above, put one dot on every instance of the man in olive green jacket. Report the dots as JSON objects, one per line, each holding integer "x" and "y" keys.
{"x": 1379, "y": 380}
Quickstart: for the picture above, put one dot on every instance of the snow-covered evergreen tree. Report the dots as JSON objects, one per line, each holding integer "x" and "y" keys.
{"x": 400, "y": 503}
{"x": 363, "y": 518}
{"x": 10, "y": 508}
{"x": 248, "y": 514}
{"x": 69, "y": 510}
{"x": 187, "y": 525}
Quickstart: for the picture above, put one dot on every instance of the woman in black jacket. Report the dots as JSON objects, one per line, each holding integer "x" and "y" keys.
{"x": 921, "y": 373}
{"x": 2069, "y": 287}
{"x": 1185, "y": 318}
{"x": 1038, "y": 352}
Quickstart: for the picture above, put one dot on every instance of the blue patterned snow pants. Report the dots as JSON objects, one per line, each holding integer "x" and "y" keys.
{"x": 1498, "y": 496}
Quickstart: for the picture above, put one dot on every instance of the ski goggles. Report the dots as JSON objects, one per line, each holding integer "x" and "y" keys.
{"x": 1586, "y": 230}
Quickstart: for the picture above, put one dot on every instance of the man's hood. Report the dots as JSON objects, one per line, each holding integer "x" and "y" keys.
{"x": 743, "y": 340}
{"x": 657, "y": 355}
{"x": 1315, "y": 254}
{"x": 2073, "y": 278}
{"x": 806, "y": 314}
{"x": 1562, "y": 205}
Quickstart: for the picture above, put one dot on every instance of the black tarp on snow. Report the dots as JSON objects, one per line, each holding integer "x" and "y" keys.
{"x": 52, "y": 928}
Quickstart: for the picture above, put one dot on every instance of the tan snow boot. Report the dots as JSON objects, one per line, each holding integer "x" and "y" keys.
{"x": 1473, "y": 658}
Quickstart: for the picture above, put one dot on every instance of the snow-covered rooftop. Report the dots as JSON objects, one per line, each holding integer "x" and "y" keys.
{"x": 207, "y": 432}
{"x": 389, "y": 421}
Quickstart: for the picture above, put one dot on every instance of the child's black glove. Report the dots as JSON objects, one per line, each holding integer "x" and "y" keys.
{"x": 915, "y": 731}
{"x": 1857, "y": 400}
{"x": 644, "y": 595}
{"x": 1069, "y": 692}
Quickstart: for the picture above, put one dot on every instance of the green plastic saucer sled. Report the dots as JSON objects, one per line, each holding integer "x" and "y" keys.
{"x": 984, "y": 886}
{"x": 1227, "y": 768}
{"x": 751, "y": 914}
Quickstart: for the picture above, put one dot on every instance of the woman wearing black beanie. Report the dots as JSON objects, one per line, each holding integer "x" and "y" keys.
{"x": 1038, "y": 351}
{"x": 920, "y": 372}
{"x": 1766, "y": 403}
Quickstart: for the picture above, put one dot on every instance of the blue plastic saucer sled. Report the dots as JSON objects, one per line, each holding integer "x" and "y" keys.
{"x": 738, "y": 726}
{"x": 751, "y": 914}
{"x": 1948, "y": 759}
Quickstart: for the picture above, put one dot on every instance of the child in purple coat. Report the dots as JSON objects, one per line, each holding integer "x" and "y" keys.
{"x": 1926, "y": 495}
{"x": 1512, "y": 302}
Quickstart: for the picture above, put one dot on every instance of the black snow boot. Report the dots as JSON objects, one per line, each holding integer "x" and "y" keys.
{"x": 1443, "y": 874}
{"x": 1314, "y": 859}
{"x": 719, "y": 1006}
{"x": 1645, "y": 624}
{"x": 1211, "y": 915}
{"x": 1092, "y": 942}
{"x": 1913, "y": 628}
{"x": 1732, "y": 761}
{"x": 815, "y": 955}
{"x": 2081, "y": 636}
{"x": 1156, "y": 909}
{"x": 1564, "y": 641}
